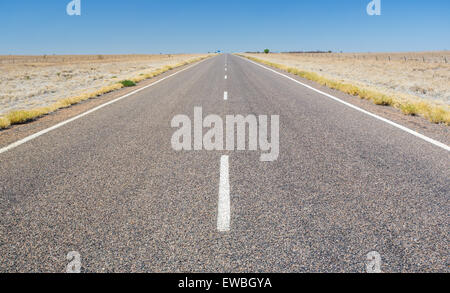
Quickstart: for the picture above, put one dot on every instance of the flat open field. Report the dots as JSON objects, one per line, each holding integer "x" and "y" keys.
{"x": 407, "y": 76}
{"x": 36, "y": 81}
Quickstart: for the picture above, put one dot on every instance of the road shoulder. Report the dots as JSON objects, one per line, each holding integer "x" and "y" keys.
{"x": 439, "y": 132}
{"x": 20, "y": 131}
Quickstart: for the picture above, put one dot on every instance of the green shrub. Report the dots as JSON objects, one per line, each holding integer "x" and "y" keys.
{"x": 127, "y": 83}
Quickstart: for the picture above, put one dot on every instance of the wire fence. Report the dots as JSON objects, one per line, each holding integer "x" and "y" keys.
{"x": 13, "y": 59}
{"x": 442, "y": 58}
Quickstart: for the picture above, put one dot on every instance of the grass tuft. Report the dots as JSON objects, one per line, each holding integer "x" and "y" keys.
{"x": 23, "y": 116}
{"x": 128, "y": 83}
{"x": 438, "y": 115}
{"x": 382, "y": 100}
{"x": 4, "y": 122}
{"x": 409, "y": 109}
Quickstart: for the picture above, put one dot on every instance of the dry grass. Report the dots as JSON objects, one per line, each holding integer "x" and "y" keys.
{"x": 51, "y": 60}
{"x": 436, "y": 112}
{"x": 20, "y": 116}
{"x": 4, "y": 122}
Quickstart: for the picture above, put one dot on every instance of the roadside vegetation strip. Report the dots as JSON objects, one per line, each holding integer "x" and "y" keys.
{"x": 438, "y": 114}
{"x": 28, "y": 115}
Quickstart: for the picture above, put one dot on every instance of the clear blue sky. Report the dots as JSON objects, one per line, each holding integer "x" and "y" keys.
{"x": 172, "y": 26}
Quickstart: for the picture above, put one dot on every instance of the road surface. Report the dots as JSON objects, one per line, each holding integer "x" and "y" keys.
{"x": 110, "y": 187}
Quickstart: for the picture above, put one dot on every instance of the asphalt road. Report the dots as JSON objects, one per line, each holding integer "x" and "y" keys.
{"x": 110, "y": 186}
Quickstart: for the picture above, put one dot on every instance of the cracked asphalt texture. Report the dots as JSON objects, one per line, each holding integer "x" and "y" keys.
{"x": 110, "y": 186}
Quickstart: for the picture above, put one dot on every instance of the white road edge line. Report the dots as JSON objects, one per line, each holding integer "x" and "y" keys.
{"x": 223, "y": 215}
{"x": 42, "y": 132}
{"x": 410, "y": 131}
{"x": 225, "y": 96}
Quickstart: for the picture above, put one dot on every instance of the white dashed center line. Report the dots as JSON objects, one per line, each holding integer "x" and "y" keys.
{"x": 223, "y": 215}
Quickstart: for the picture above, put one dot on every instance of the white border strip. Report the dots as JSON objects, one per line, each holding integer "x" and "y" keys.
{"x": 223, "y": 215}
{"x": 42, "y": 132}
{"x": 410, "y": 131}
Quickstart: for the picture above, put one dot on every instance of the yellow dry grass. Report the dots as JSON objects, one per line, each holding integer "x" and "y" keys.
{"x": 436, "y": 113}
{"x": 4, "y": 122}
{"x": 24, "y": 116}
{"x": 51, "y": 60}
